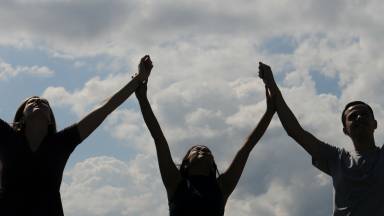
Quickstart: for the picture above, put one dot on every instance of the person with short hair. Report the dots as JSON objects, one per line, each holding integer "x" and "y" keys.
{"x": 358, "y": 175}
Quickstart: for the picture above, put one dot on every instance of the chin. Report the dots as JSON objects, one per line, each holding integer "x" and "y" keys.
{"x": 361, "y": 133}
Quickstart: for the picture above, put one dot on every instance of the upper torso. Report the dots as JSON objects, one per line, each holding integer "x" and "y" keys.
{"x": 197, "y": 195}
{"x": 31, "y": 179}
{"x": 358, "y": 180}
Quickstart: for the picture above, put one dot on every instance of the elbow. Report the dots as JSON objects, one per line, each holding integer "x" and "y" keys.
{"x": 294, "y": 133}
{"x": 291, "y": 133}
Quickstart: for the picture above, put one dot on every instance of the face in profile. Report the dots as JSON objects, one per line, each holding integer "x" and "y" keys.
{"x": 359, "y": 120}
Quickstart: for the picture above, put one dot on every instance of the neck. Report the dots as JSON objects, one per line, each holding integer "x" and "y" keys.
{"x": 35, "y": 132}
{"x": 201, "y": 172}
{"x": 364, "y": 144}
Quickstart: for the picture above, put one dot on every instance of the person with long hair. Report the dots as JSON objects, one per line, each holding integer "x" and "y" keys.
{"x": 195, "y": 188}
{"x": 33, "y": 153}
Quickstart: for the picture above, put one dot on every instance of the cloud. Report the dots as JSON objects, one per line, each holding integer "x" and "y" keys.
{"x": 208, "y": 94}
{"x": 221, "y": 113}
{"x": 204, "y": 89}
{"x": 7, "y": 70}
{"x": 57, "y": 24}
{"x": 118, "y": 27}
{"x": 110, "y": 187}
{"x": 94, "y": 93}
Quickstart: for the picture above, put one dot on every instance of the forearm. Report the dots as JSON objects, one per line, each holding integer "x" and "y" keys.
{"x": 150, "y": 119}
{"x": 293, "y": 128}
{"x": 242, "y": 155}
{"x": 91, "y": 121}
{"x": 231, "y": 177}
{"x": 168, "y": 170}
{"x": 287, "y": 118}
{"x": 258, "y": 132}
{"x": 119, "y": 97}
{"x": 162, "y": 148}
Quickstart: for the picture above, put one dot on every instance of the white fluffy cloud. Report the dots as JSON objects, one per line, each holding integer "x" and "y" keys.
{"x": 119, "y": 27}
{"x": 203, "y": 96}
{"x": 94, "y": 93}
{"x": 108, "y": 186}
{"x": 7, "y": 70}
{"x": 204, "y": 89}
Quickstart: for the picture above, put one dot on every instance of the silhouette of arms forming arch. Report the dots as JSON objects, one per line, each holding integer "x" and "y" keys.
{"x": 229, "y": 179}
{"x": 91, "y": 121}
{"x": 293, "y": 128}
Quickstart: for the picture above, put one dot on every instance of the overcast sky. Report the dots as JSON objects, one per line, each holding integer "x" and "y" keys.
{"x": 204, "y": 89}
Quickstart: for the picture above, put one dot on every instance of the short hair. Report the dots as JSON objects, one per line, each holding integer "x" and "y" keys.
{"x": 353, "y": 103}
{"x": 19, "y": 124}
{"x": 184, "y": 167}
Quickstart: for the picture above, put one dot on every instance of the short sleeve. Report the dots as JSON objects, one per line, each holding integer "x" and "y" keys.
{"x": 5, "y": 132}
{"x": 327, "y": 159}
{"x": 5, "y": 129}
{"x": 68, "y": 138}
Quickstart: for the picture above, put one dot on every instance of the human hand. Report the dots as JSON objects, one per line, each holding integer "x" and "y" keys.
{"x": 145, "y": 67}
{"x": 141, "y": 91}
{"x": 265, "y": 73}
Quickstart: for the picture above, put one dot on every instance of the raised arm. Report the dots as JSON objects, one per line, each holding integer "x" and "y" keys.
{"x": 229, "y": 179}
{"x": 91, "y": 121}
{"x": 293, "y": 128}
{"x": 168, "y": 170}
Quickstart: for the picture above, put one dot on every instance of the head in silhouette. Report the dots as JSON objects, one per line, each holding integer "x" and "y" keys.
{"x": 35, "y": 112}
{"x": 358, "y": 120}
{"x": 198, "y": 161}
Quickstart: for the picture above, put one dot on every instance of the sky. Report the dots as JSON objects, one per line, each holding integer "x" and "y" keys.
{"x": 203, "y": 89}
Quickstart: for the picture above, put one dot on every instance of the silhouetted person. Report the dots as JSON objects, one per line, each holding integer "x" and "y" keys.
{"x": 194, "y": 189}
{"x": 358, "y": 176}
{"x": 34, "y": 154}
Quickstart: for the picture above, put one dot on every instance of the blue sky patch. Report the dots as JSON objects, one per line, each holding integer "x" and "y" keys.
{"x": 279, "y": 45}
{"x": 325, "y": 84}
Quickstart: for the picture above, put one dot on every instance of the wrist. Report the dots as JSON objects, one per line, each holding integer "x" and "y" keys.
{"x": 270, "y": 111}
{"x": 142, "y": 97}
{"x": 141, "y": 76}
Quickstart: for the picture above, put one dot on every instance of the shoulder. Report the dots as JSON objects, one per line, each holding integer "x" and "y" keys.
{"x": 4, "y": 124}
{"x": 69, "y": 132}
{"x": 329, "y": 158}
{"x": 67, "y": 139}
{"x": 5, "y": 128}
{"x": 326, "y": 150}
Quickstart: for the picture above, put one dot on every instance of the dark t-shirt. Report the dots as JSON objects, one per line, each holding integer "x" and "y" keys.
{"x": 31, "y": 180}
{"x": 358, "y": 180}
{"x": 197, "y": 195}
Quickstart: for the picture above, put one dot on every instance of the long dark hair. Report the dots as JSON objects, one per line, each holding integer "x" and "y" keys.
{"x": 19, "y": 124}
{"x": 184, "y": 167}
